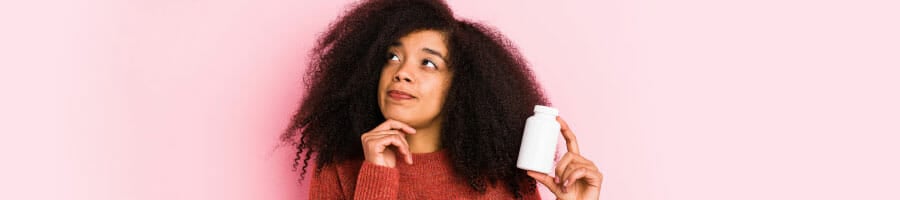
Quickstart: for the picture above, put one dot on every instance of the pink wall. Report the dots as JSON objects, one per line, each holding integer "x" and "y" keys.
{"x": 672, "y": 99}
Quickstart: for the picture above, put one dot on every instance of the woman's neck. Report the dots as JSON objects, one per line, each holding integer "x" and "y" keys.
{"x": 426, "y": 140}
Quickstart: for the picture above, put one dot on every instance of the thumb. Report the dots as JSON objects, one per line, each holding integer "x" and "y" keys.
{"x": 544, "y": 179}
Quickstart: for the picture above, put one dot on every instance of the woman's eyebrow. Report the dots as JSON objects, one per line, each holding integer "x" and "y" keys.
{"x": 426, "y": 50}
{"x": 433, "y": 52}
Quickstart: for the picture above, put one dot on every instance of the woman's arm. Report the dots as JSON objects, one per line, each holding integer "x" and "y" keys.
{"x": 372, "y": 182}
{"x": 378, "y": 179}
{"x": 377, "y": 182}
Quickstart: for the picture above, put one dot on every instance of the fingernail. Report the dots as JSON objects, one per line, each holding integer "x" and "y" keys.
{"x": 556, "y": 180}
{"x": 566, "y": 183}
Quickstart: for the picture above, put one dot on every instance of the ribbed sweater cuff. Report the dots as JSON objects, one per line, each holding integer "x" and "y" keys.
{"x": 377, "y": 182}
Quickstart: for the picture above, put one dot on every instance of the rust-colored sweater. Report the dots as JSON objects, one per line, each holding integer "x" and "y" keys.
{"x": 429, "y": 177}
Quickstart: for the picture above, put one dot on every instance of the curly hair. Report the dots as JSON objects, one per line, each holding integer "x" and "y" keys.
{"x": 491, "y": 94}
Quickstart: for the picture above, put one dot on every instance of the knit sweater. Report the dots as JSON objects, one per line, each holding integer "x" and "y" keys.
{"x": 429, "y": 177}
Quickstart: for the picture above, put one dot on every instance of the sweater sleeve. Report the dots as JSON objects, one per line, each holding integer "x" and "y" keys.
{"x": 377, "y": 182}
{"x": 325, "y": 184}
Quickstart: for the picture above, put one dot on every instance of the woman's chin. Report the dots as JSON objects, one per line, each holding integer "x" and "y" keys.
{"x": 395, "y": 114}
{"x": 398, "y": 115}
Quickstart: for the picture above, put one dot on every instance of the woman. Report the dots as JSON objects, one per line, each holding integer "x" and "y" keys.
{"x": 404, "y": 101}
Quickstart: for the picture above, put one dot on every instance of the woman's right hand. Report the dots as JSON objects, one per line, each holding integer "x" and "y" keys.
{"x": 382, "y": 144}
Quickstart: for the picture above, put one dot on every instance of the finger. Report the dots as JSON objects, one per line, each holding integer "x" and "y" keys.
{"x": 378, "y": 134}
{"x": 590, "y": 177}
{"x": 571, "y": 143}
{"x": 544, "y": 179}
{"x": 375, "y": 137}
{"x": 563, "y": 163}
{"x": 577, "y": 158}
{"x": 405, "y": 149}
{"x": 378, "y": 143}
{"x": 402, "y": 147}
{"x": 570, "y": 159}
{"x": 384, "y": 132}
{"x": 381, "y": 143}
{"x": 594, "y": 178}
{"x": 407, "y": 153}
{"x": 573, "y": 175}
{"x": 391, "y": 124}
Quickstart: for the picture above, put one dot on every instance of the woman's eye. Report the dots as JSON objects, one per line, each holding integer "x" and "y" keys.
{"x": 428, "y": 63}
{"x": 394, "y": 57}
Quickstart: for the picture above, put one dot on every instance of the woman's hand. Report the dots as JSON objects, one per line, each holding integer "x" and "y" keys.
{"x": 381, "y": 145}
{"x": 576, "y": 177}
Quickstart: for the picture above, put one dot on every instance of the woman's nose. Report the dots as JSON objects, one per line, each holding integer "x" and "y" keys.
{"x": 404, "y": 74}
{"x": 402, "y": 77}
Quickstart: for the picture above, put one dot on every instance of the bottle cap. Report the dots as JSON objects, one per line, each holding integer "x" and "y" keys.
{"x": 546, "y": 110}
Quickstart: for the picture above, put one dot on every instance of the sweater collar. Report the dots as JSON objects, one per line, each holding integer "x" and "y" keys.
{"x": 427, "y": 163}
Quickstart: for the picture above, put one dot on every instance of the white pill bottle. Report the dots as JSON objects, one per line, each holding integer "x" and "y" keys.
{"x": 539, "y": 140}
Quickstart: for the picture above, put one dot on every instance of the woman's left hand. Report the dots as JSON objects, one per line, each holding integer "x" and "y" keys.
{"x": 576, "y": 177}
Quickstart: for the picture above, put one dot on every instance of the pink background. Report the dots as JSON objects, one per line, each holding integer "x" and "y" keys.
{"x": 693, "y": 99}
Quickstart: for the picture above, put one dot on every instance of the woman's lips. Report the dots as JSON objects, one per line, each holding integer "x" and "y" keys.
{"x": 399, "y": 95}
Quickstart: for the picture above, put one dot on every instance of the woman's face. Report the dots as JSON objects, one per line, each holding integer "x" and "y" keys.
{"x": 415, "y": 79}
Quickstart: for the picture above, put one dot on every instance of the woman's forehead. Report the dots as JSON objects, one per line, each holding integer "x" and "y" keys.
{"x": 427, "y": 41}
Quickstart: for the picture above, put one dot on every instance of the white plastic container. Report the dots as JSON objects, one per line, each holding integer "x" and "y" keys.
{"x": 539, "y": 140}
